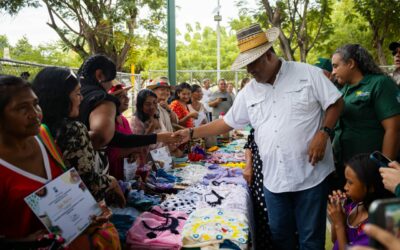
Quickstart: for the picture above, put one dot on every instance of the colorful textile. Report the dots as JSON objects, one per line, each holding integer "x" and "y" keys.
{"x": 210, "y": 227}
{"x": 225, "y": 175}
{"x": 181, "y": 111}
{"x": 47, "y": 139}
{"x": 157, "y": 230}
{"x": 191, "y": 174}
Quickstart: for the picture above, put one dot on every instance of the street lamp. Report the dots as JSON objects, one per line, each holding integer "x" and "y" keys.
{"x": 218, "y": 18}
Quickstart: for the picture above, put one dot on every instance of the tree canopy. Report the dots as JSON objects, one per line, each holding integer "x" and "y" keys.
{"x": 309, "y": 29}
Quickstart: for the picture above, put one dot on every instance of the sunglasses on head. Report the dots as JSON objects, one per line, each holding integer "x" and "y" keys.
{"x": 71, "y": 73}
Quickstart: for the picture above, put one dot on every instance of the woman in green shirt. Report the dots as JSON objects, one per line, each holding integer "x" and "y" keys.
{"x": 371, "y": 118}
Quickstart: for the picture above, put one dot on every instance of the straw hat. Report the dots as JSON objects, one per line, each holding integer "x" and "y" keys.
{"x": 158, "y": 83}
{"x": 253, "y": 43}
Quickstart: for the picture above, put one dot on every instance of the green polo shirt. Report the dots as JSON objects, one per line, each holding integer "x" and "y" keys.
{"x": 359, "y": 130}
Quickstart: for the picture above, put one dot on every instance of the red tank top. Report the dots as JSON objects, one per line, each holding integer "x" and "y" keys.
{"x": 16, "y": 218}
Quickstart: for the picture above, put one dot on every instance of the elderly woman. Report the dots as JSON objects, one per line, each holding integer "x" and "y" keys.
{"x": 25, "y": 164}
{"x": 371, "y": 118}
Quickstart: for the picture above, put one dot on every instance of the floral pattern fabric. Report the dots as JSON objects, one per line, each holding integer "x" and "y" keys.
{"x": 91, "y": 165}
{"x": 181, "y": 111}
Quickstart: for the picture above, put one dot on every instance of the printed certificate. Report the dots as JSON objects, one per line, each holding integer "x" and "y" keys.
{"x": 162, "y": 158}
{"x": 64, "y": 205}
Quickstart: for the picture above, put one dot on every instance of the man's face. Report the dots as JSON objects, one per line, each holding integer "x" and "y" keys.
{"x": 206, "y": 84}
{"x": 261, "y": 69}
{"x": 222, "y": 85}
{"x": 396, "y": 57}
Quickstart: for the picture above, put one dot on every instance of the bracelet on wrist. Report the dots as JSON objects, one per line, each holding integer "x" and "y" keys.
{"x": 191, "y": 132}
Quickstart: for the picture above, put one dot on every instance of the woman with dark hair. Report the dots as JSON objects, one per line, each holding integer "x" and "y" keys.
{"x": 196, "y": 106}
{"x": 25, "y": 164}
{"x": 98, "y": 109}
{"x": 180, "y": 105}
{"x": 371, "y": 117}
{"x": 145, "y": 121}
{"x": 59, "y": 95}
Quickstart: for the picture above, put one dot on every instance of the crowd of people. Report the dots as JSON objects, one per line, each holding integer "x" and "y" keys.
{"x": 307, "y": 156}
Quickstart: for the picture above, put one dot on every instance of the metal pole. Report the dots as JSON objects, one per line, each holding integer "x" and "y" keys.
{"x": 218, "y": 18}
{"x": 171, "y": 42}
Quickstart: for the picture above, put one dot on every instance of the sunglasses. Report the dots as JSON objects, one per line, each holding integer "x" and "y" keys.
{"x": 71, "y": 73}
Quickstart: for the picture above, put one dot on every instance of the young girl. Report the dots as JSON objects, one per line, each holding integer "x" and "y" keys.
{"x": 348, "y": 212}
{"x": 180, "y": 105}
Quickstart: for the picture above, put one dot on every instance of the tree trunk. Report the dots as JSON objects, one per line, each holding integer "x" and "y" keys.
{"x": 378, "y": 45}
{"x": 274, "y": 18}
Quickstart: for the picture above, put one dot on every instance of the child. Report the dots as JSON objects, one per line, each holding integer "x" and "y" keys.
{"x": 363, "y": 186}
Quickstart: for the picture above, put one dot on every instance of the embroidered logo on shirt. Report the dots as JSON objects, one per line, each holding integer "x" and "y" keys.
{"x": 362, "y": 93}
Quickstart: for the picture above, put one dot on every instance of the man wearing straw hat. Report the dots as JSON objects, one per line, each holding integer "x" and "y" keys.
{"x": 293, "y": 108}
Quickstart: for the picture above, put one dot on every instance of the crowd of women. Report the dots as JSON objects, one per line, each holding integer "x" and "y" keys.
{"x": 83, "y": 114}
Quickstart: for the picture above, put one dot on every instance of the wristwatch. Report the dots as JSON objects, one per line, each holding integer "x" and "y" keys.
{"x": 327, "y": 130}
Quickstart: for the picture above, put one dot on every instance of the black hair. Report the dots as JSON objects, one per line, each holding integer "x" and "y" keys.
{"x": 9, "y": 86}
{"x": 53, "y": 86}
{"x": 87, "y": 71}
{"x": 180, "y": 88}
{"x": 195, "y": 87}
{"x": 140, "y": 99}
{"x": 361, "y": 57}
{"x": 367, "y": 172}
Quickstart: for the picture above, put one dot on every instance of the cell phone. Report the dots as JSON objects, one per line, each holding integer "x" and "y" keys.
{"x": 380, "y": 159}
{"x": 224, "y": 99}
{"x": 385, "y": 213}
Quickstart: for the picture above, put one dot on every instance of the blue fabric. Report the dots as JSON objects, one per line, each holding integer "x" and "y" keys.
{"x": 303, "y": 212}
{"x": 123, "y": 219}
{"x": 141, "y": 201}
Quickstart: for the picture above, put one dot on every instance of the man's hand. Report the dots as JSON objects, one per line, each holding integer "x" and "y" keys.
{"x": 388, "y": 240}
{"x": 316, "y": 150}
{"x": 183, "y": 134}
{"x": 168, "y": 138}
{"x": 391, "y": 176}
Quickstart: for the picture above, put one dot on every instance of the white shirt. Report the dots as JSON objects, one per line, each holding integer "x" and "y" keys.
{"x": 206, "y": 98}
{"x": 286, "y": 116}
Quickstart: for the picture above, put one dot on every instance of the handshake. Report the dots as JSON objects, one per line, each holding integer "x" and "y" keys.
{"x": 177, "y": 138}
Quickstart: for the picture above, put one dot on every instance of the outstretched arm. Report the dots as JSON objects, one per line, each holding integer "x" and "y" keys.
{"x": 216, "y": 127}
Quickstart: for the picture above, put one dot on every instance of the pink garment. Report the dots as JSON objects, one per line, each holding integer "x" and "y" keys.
{"x": 157, "y": 230}
{"x": 117, "y": 162}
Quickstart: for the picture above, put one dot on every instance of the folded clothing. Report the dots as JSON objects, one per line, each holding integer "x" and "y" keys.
{"x": 157, "y": 229}
{"x": 212, "y": 227}
{"x": 224, "y": 175}
{"x": 225, "y": 196}
{"x": 185, "y": 200}
{"x": 123, "y": 219}
{"x": 138, "y": 199}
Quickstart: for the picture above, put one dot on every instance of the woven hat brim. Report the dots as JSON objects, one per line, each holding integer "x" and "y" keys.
{"x": 247, "y": 57}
